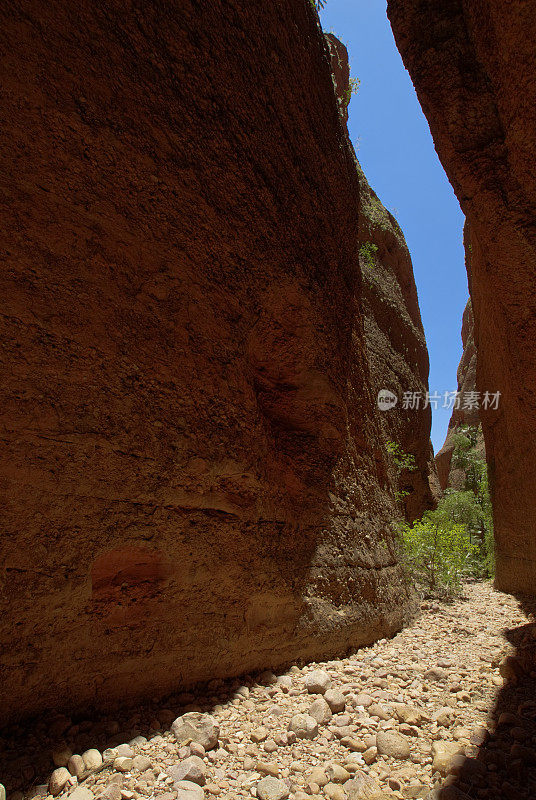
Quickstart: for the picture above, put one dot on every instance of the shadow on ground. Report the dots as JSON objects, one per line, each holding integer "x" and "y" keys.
{"x": 26, "y": 750}
{"x": 501, "y": 762}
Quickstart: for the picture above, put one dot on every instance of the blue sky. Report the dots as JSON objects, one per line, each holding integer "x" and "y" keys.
{"x": 395, "y": 148}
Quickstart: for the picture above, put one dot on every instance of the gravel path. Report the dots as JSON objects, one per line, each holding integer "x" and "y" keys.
{"x": 392, "y": 721}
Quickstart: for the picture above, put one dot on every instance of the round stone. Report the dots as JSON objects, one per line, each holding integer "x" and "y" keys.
{"x": 186, "y": 790}
{"x": 76, "y": 765}
{"x": 272, "y": 789}
{"x": 123, "y": 763}
{"x": 92, "y": 759}
{"x": 141, "y": 763}
{"x": 58, "y": 780}
{"x": 191, "y": 769}
{"x": 321, "y": 711}
{"x": 304, "y": 726}
{"x": 317, "y": 681}
{"x": 197, "y": 727}
{"x": 335, "y": 700}
{"x": 392, "y": 744}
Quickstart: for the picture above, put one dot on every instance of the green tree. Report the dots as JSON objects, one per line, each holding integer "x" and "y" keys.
{"x": 455, "y": 540}
{"x": 437, "y": 553}
{"x": 467, "y": 457}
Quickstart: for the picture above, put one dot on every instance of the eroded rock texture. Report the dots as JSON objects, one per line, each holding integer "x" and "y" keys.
{"x": 463, "y": 413}
{"x": 396, "y": 349}
{"x": 474, "y": 67}
{"x": 396, "y": 345}
{"x": 192, "y": 460}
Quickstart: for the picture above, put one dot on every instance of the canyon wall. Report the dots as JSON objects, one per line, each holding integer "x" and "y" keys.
{"x": 396, "y": 350}
{"x": 464, "y": 414}
{"x": 473, "y": 64}
{"x": 193, "y": 463}
{"x": 394, "y": 335}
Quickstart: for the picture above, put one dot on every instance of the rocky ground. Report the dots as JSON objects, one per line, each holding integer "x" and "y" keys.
{"x": 448, "y": 701}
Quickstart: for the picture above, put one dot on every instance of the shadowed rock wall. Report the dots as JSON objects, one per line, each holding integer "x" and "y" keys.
{"x": 192, "y": 460}
{"x": 473, "y": 63}
{"x": 449, "y": 476}
{"x": 396, "y": 346}
{"x": 396, "y": 349}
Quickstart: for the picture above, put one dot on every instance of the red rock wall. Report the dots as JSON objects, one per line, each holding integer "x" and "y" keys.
{"x": 396, "y": 349}
{"x": 194, "y": 477}
{"x": 449, "y": 476}
{"x": 473, "y": 63}
{"x": 396, "y": 345}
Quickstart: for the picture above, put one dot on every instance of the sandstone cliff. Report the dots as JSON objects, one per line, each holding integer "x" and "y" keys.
{"x": 396, "y": 349}
{"x": 449, "y": 476}
{"x": 396, "y": 345}
{"x": 473, "y": 64}
{"x": 193, "y": 463}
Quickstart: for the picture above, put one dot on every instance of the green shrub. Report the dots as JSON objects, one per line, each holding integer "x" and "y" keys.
{"x": 368, "y": 251}
{"x": 438, "y": 554}
{"x": 401, "y": 461}
{"x": 400, "y": 458}
{"x": 467, "y": 458}
{"x": 455, "y": 541}
{"x": 353, "y": 88}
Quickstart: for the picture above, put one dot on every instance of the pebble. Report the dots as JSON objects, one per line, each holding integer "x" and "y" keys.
{"x": 125, "y": 750}
{"x": 337, "y": 774}
{"x": 443, "y": 753}
{"x": 335, "y": 700}
{"x": 76, "y": 765}
{"x": 187, "y": 791}
{"x": 319, "y": 777}
{"x": 304, "y": 726}
{"x": 320, "y": 711}
{"x": 259, "y": 735}
{"x": 272, "y": 789}
{"x": 191, "y": 769}
{"x": 267, "y": 768}
{"x": 334, "y": 791}
{"x": 370, "y": 755}
{"x": 123, "y": 763}
{"x": 81, "y": 793}
{"x": 111, "y": 792}
{"x": 197, "y": 727}
{"x": 92, "y": 759}
{"x": 317, "y": 681}
{"x": 394, "y": 720}
{"x": 392, "y": 744}
{"x": 58, "y": 780}
{"x": 141, "y": 763}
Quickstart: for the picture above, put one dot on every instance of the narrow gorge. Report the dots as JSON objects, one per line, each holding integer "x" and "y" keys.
{"x": 209, "y": 322}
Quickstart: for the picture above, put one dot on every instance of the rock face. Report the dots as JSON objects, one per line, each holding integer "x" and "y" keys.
{"x": 192, "y": 457}
{"x": 396, "y": 345}
{"x": 449, "y": 476}
{"x": 473, "y": 64}
{"x": 396, "y": 349}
